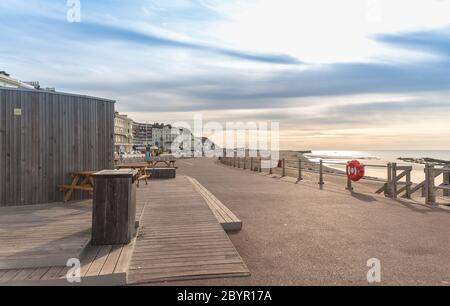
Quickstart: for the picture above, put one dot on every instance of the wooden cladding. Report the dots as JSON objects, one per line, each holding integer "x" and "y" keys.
{"x": 44, "y": 136}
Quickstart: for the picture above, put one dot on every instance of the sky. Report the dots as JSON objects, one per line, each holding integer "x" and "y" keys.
{"x": 336, "y": 75}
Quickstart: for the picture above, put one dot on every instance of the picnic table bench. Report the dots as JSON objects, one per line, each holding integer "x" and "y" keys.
{"x": 81, "y": 181}
{"x": 155, "y": 161}
{"x": 142, "y": 174}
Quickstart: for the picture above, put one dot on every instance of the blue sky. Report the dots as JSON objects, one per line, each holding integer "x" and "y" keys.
{"x": 353, "y": 75}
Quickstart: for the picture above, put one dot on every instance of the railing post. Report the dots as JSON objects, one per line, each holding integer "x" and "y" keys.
{"x": 321, "y": 182}
{"x": 284, "y": 168}
{"x": 349, "y": 185}
{"x": 300, "y": 175}
{"x": 394, "y": 180}
{"x": 388, "y": 191}
{"x": 447, "y": 183}
{"x": 430, "y": 186}
{"x": 408, "y": 185}
{"x": 349, "y": 182}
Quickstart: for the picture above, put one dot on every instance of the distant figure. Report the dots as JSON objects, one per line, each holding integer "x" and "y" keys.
{"x": 148, "y": 153}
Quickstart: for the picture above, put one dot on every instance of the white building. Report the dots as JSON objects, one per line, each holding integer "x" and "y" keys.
{"x": 123, "y": 133}
{"x": 7, "y": 81}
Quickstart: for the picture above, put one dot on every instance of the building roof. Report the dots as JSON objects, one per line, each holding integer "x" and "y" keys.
{"x": 56, "y": 93}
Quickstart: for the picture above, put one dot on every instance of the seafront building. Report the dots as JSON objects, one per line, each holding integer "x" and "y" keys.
{"x": 123, "y": 133}
{"x": 157, "y": 135}
{"x": 142, "y": 135}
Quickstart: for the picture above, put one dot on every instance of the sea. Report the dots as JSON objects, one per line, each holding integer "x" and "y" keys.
{"x": 374, "y": 159}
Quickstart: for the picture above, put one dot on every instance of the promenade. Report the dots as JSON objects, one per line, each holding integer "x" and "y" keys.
{"x": 296, "y": 234}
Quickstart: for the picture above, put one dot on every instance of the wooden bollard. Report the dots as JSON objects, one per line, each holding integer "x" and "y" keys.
{"x": 251, "y": 164}
{"x": 239, "y": 163}
{"x": 300, "y": 175}
{"x": 284, "y": 168}
{"x": 260, "y": 165}
{"x": 321, "y": 182}
{"x": 245, "y": 163}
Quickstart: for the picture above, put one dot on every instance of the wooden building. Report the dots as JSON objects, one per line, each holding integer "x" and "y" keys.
{"x": 46, "y": 135}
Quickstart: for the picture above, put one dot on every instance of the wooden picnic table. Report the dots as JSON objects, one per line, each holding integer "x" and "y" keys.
{"x": 142, "y": 174}
{"x": 170, "y": 163}
{"x": 81, "y": 181}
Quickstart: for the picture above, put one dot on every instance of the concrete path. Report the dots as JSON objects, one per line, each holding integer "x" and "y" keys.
{"x": 300, "y": 235}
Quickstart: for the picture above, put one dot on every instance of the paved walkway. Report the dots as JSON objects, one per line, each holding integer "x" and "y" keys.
{"x": 299, "y": 235}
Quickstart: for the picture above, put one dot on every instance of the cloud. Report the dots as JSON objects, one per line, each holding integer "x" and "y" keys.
{"x": 238, "y": 60}
{"x": 435, "y": 41}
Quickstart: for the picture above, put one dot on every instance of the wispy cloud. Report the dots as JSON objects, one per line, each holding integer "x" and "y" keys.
{"x": 249, "y": 60}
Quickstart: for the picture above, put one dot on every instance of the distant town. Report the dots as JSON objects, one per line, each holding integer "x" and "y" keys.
{"x": 130, "y": 137}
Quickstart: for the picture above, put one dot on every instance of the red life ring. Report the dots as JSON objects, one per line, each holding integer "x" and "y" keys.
{"x": 355, "y": 170}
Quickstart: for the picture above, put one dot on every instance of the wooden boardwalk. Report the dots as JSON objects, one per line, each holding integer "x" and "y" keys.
{"x": 100, "y": 265}
{"x": 43, "y": 235}
{"x": 226, "y": 217}
{"x": 180, "y": 238}
{"x": 50, "y": 230}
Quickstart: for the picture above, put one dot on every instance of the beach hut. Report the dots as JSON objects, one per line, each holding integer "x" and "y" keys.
{"x": 44, "y": 136}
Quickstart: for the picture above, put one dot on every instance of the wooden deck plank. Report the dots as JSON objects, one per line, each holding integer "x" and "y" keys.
{"x": 180, "y": 237}
{"x": 99, "y": 261}
{"x": 43, "y": 235}
{"x": 229, "y": 221}
{"x": 111, "y": 261}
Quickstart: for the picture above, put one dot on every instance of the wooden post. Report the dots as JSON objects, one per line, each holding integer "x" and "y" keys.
{"x": 430, "y": 186}
{"x": 349, "y": 182}
{"x": 300, "y": 175}
{"x": 251, "y": 164}
{"x": 270, "y": 167}
{"x": 114, "y": 207}
{"x": 239, "y": 163}
{"x": 427, "y": 185}
{"x": 284, "y": 167}
{"x": 321, "y": 182}
{"x": 446, "y": 182}
{"x": 234, "y": 162}
{"x": 260, "y": 165}
{"x": 388, "y": 191}
{"x": 394, "y": 180}
{"x": 408, "y": 185}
